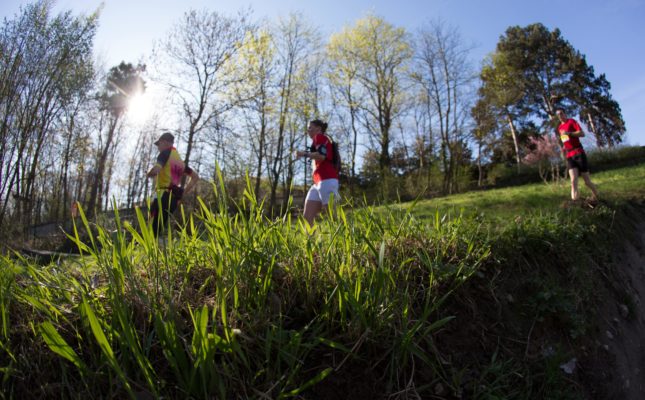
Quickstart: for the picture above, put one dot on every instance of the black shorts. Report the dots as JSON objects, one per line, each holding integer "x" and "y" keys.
{"x": 578, "y": 161}
{"x": 161, "y": 209}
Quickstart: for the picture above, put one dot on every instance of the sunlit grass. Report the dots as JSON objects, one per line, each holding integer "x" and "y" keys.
{"x": 239, "y": 305}
{"x": 233, "y": 303}
{"x": 509, "y": 203}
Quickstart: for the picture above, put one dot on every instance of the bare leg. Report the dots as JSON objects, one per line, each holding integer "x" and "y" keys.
{"x": 573, "y": 174}
{"x": 590, "y": 185}
{"x": 312, "y": 208}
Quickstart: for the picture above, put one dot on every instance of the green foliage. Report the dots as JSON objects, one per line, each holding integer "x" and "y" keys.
{"x": 534, "y": 70}
{"x": 372, "y": 57}
{"x": 620, "y": 156}
{"x": 59, "y": 346}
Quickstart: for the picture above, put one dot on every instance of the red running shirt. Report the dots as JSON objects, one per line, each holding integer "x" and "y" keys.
{"x": 571, "y": 144}
{"x": 323, "y": 169}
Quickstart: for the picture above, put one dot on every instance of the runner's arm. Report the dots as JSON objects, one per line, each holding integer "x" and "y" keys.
{"x": 577, "y": 134}
{"x": 154, "y": 171}
{"x": 193, "y": 178}
{"x": 323, "y": 151}
{"x": 314, "y": 155}
{"x": 578, "y": 130}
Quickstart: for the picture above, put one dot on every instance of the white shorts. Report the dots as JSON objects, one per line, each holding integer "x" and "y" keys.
{"x": 322, "y": 190}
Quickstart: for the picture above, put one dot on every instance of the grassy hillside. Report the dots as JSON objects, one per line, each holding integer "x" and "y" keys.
{"x": 615, "y": 187}
{"x": 384, "y": 303}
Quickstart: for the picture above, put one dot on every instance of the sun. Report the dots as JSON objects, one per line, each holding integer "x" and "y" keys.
{"x": 139, "y": 108}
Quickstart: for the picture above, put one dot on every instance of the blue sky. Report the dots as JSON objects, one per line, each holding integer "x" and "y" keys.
{"x": 611, "y": 33}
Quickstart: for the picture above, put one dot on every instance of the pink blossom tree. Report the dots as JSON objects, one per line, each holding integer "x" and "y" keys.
{"x": 545, "y": 153}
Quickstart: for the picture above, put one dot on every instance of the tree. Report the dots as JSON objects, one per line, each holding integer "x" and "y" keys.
{"x": 295, "y": 42}
{"x": 73, "y": 139}
{"x": 444, "y": 76}
{"x": 381, "y": 53}
{"x": 544, "y": 152}
{"x": 45, "y": 61}
{"x": 500, "y": 95}
{"x": 544, "y": 67}
{"x": 484, "y": 129}
{"x": 122, "y": 82}
{"x": 342, "y": 73}
{"x": 254, "y": 92}
{"x": 141, "y": 159}
{"x": 596, "y": 108}
{"x": 309, "y": 102}
{"x": 193, "y": 59}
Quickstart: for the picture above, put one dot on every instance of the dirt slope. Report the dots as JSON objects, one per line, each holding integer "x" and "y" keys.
{"x": 620, "y": 354}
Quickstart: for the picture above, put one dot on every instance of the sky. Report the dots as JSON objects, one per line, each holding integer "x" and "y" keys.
{"x": 610, "y": 33}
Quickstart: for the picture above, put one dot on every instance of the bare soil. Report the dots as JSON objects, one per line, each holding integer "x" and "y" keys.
{"x": 622, "y": 328}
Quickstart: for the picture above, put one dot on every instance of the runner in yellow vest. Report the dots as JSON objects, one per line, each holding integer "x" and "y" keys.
{"x": 169, "y": 171}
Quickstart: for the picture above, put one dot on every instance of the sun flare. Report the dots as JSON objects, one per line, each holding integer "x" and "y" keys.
{"x": 139, "y": 108}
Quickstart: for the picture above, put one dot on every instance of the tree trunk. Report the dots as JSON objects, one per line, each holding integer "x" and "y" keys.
{"x": 352, "y": 112}
{"x": 514, "y": 135}
{"x": 284, "y": 108}
{"x": 65, "y": 172}
{"x": 592, "y": 126}
{"x": 97, "y": 184}
{"x": 479, "y": 164}
{"x": 261, "y": 146}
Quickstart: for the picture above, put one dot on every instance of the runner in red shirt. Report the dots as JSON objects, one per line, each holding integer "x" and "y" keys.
{"x": 569, "y": 132}
{"x": 325, "y": 174}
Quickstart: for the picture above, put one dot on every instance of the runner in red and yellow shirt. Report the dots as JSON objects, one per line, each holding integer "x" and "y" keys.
{"x": 169, "y": 171}
{"x": 569, "y": 133}
{"x": 325, "y": 175}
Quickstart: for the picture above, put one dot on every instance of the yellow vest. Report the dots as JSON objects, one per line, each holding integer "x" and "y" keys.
{"x": 172, "y": 169}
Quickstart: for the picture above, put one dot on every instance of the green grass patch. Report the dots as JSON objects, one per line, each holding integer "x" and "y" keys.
{"x": 503, "y": 205}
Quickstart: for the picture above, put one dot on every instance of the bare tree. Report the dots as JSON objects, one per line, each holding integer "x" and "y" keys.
{"x": 381, "y": 53}
{"x": 444, "y": 75}
{"x": 346, "y": 91}
{"x": 308, "y": 103}
{"x": 73, "y": 143}
{"x": 294, "y": 42}
{"x": 44, "y": 62}
{"x": 192, "y": 60}
{"x": 140, "y": 160}
{"x": 122, "y": 82}
{"x": 255, "y": 93}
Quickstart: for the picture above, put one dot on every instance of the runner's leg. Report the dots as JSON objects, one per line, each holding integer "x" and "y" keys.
{"x": 154, "y": 215}
{"x": 573, "y": 174}
{"x": 590, "y": 185}
{"x": 164, "y": 212}
{"x": 312, "y": 208}
{"x": 313, "y": 204}
{"x": 329, "y": 193}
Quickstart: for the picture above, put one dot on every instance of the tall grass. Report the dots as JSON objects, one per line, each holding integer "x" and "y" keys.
{"x": 235, "y": 305}
{"x": 386, "y": 302}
